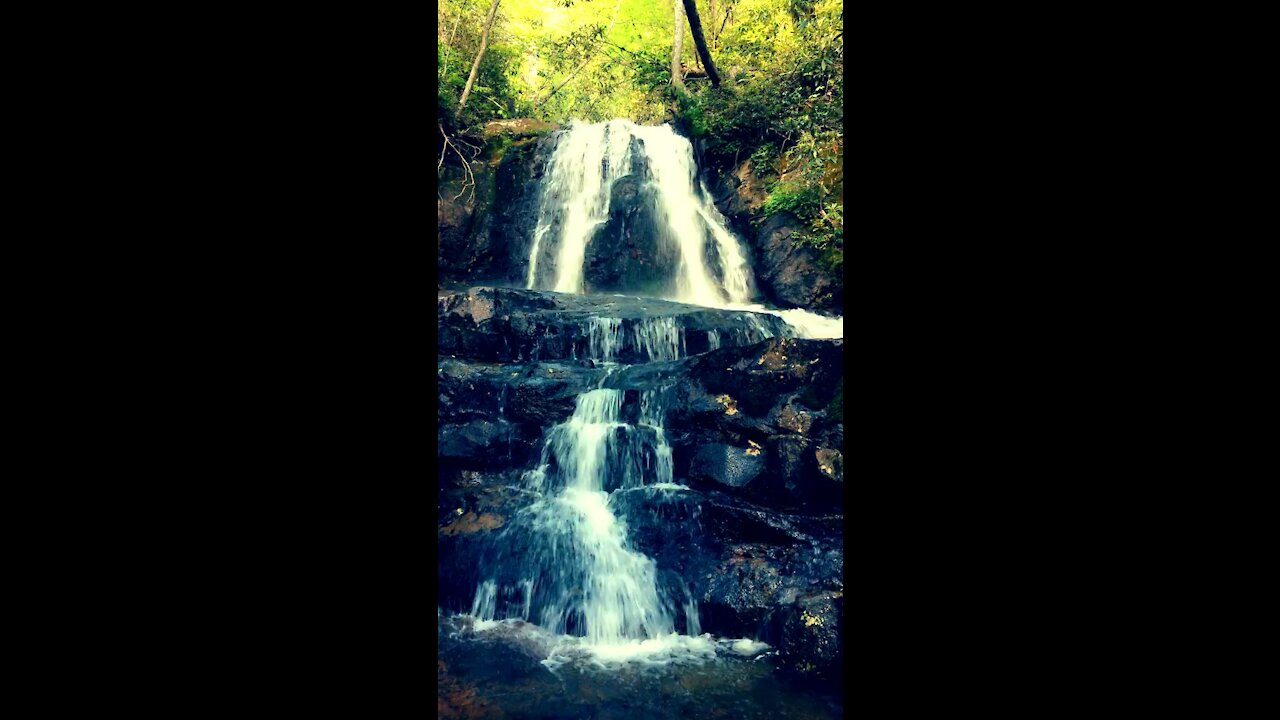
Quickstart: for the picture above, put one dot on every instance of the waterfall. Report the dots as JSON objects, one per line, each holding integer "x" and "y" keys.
{"x": 485, "y": 604}
{"x": 588, "y": 159}
{"x": 580, "y": 176}
{"x": 597, "y": 586}
{"x": 659, "y": 338}
{"x": 683, "y": 207}
{"x": 564, "y": 563}
{"x": 653, "y": 338}
{"x": 604, "y": 337}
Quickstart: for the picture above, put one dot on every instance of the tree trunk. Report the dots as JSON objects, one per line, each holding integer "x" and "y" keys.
{"x": 677, "y": 47}
{"x": 475, "y": 66}
{"x": 695, "y": 24}
{"x": 711, "y": 8}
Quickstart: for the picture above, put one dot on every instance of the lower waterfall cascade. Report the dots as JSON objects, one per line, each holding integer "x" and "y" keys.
{"x": 579, "y": 581}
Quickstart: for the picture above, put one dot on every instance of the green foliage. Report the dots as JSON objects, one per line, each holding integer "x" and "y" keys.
{"x": 764, "y": 156}
{"x": 796, "y": 198}
{"x": 780, "y": 102}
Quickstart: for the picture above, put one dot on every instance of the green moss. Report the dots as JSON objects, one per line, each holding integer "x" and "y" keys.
{"x": 832, "y": 258}
{"x": 836, "y": 408}
{"x": 497, "y": 146}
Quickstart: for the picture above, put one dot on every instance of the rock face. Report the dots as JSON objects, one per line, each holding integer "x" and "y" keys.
{"x": 457, "y": 231}
{"x": 630, "y": 251}
{"x": 750, "y": 569}
{"x": 739, "y": 192}
{"x": 726, "y": 464}
{"x": 506, "y": 325}
{"x": 750, "y": 530}
{"x": 517, "y": 194}
{"x": 486, "y": 219}
{"x": 789, "y": 274}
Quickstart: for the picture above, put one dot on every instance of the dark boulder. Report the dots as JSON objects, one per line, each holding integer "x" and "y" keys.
{"x": 738, "y": 193}
{"x": 545, "y": 401}
{"x": 790, "y": 273}
{"x": 755, "y": 376}
{"x": 790, "y": 415}
{"x": 752, "y": 590}
{"x": 459, "y": 212}
{"x": 630, "y": 252}
{"x": 535, "y": 394}
{"x": 746, "y": 565}
{"x": 485, "y": 444}
{"x": 486, "y": 212}
{"x": 473, "y": 509}
{"x": 727, "y": 465}
{"x": 810, "y": 642}
{"x": 518, "y": 194}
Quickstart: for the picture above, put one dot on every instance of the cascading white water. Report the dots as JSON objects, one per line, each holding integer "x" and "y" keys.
{"x": 659, "y": 338}
{"x": 613, "y": 597}
{"x": 737, "y": 273}
{"x": 654, "y": 338}
{"x": 580, "y": 176}
{"x": 683, "y": 207}
{"x": 486, "y": 602}
{"x": 588, "y": 160}
{"x": 604, "y": 338}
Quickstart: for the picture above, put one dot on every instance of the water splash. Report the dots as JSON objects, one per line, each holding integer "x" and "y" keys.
{"x": 804, "y": 323}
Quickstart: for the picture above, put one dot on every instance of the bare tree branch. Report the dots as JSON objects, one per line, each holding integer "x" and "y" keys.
{"x": 677, "y": 46}
{"x": 475, "y": 66}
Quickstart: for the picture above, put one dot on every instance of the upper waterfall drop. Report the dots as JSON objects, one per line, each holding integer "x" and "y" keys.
{"x": 587, "y": 161}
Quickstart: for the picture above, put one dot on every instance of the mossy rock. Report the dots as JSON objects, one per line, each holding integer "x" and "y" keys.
{"x": 518, "y": 128}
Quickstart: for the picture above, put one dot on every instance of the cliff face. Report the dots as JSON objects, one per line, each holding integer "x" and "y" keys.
{"x": 487, "y": 220}
{"x": 487, "y": 212}
{"x": 790, "y": 274}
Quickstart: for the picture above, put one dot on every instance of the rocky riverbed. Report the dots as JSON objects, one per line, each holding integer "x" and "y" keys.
{"x": 750, "y": 527}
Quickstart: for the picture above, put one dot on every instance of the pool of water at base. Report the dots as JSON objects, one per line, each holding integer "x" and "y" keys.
{"x": 500, "y": 673}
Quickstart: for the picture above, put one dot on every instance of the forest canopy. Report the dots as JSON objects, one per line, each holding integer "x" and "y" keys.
{"x": 778, "y": 102}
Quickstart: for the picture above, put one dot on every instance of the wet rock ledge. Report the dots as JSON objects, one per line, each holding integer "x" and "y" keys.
{"x": 756, "y": 433}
